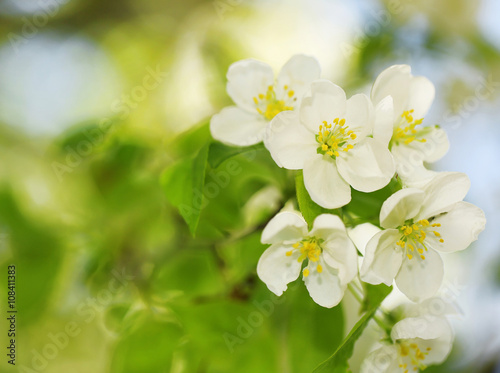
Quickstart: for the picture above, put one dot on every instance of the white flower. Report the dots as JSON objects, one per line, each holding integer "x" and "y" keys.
{"x": 418, "y": 223}
{"x": 417, "y": 342}
{"x": 258, "y": 98}
{"x": 331, "y": 256}
{"x": 328, "y": 139}
{"x": 401, "y": 101}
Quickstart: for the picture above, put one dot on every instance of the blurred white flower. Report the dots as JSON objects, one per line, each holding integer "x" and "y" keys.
{"x": 331, "y": 256}
{"x": 328, "y": 139}
{"x": 259, "y": 98}
{"x": 415, "y": 343}
{"x": 418, "y": 223}
{"x": 261, "y": 205}
{"x": 401, "y": 101}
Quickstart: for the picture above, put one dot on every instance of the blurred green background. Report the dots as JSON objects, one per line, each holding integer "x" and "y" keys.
{"x": 97, "y": 98}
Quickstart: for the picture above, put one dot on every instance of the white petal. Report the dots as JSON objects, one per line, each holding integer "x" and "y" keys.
{"x": 328, "y": 226}
{"x": 298, "y": 74}
{"x": 424, "y": 176}
{"x": 423, "y": 327}
{"x": 324, "y": 288}
{"x": 286, "y": 226}
{"x": 459, "y": 227}
{"x": 427, "y": 332}
{"x": 324, "y": 184}
{"x": 276, "y": 269}
{"x": 381, "y": 360}
{"x": 393, "y": 81}
{"x": 361, "y": 234}
{"x": 383, "y": 258}
{"x": 359, "y": 116}
{"x": 235, "y": 126}
{"x": 246, "y": 79}
{"x": 436, "y": 145}
{"x": 435, "y": 306}
{"x": 367, "y": 167}
{"x": 420, "y": 279}
{"x": 326, "y": 101}
{"x": 338, "y": 250}
{"x": 410, "y": 166}
{"x": 401, "y": 206}
{"x": 343, "y": 258}
{"x": 421, "y": 94}
{"x": 384, "y": 121}
{"x": 444, "y": 190}
{"x": 289, "y": 142}
{"x": 440, "y": 348}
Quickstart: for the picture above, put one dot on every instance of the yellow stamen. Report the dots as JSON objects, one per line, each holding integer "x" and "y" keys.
{"x": 334, "y": 137}
{"x": 270, "y": 106}
{"x": 413, "y": 237}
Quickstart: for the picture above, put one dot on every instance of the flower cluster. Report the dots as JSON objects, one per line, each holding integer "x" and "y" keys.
{"x": 362, "y": 142}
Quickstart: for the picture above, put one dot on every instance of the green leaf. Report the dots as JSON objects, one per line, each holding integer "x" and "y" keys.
{"x": 194, "y": 272}
{"x": 311, "y": 339}
{"x": 183, "y": 184}
{"x": 149, "y": 338}
{"x": 337, "y": 363}
{"x": 309, "y": 209}
{"x": 36, "y": 251}
{"x": 183, "y": 145}
{"x": 241, "y": 256}
{"x": 367, "y": 206}
{"x": 374, "y": 295}
{"x": 88, "y": 134}
{"x": 219, "y": 152}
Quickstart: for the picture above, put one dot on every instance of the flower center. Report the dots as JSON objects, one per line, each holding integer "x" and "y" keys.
{"x": 414, "y": 235}
{"x": 268, "y": 104}
{"x": 411, "y": 354}
{"x": 334, "y": 137}
{"x": 309, "y": 248}
{"x": 405, "y": 130}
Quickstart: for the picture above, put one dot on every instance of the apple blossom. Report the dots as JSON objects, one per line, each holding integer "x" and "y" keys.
{"x": 415, "y": 343}
{"x": 329, "y": 139}
{"x": 418, "y": 224}
{"x": 330, "y": 255}
{"x": 401, "y": 101}
{"x": 258, "y": 97}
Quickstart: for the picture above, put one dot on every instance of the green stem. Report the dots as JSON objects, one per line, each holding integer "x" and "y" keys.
{"x": 382, "y": 324}
{"x": 354, "y": 291}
